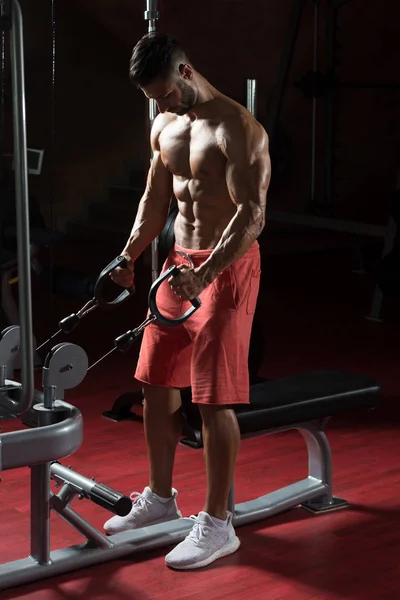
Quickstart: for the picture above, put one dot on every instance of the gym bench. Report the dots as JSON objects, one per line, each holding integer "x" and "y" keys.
{"x": 303, "y": 402}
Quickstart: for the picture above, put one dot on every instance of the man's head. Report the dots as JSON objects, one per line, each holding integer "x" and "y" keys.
{"x": 161, "y": 69}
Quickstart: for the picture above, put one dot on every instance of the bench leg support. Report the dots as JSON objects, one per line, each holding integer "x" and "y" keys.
{"x": 320, "y": 467}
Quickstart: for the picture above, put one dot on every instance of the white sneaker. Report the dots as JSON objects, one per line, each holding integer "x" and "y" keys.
{"x": 146, "y": 510}
{"x": 204, "y": 544}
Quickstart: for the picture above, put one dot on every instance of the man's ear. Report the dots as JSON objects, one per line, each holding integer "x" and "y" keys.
{"x": 186, "y": 71}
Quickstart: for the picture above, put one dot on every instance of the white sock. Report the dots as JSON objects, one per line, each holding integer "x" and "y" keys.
{"x": 162, "y": 500}
{"x": 219, "y": 522}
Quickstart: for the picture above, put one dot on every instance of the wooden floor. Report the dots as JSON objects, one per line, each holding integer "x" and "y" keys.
{"x": 315, "y": 320}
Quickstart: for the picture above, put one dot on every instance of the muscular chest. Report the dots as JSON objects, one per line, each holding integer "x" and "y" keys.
{"x": 191, "y": 150}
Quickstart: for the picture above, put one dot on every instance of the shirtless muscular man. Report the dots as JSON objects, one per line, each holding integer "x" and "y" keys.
{"x": 212, "y": 154}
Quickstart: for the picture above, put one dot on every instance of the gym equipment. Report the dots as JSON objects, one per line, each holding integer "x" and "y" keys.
{"x": 124, "y": 341}
{"x": 287, "y": 401}
{"x": 65, "y": 367}
{"x": 11, "y": 19}
{"x": 69, "y": 323}
{"x": 59, "y": 433}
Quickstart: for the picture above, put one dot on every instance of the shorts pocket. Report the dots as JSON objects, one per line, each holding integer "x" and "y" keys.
{"x": 253, "y": 292}
{"x": 224, "y": 290}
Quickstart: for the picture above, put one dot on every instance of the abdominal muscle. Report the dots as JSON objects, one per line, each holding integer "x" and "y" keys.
{"x": 205, "y": 210}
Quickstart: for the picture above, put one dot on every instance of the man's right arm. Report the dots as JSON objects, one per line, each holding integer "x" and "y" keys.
{"x": 155, "y": 203}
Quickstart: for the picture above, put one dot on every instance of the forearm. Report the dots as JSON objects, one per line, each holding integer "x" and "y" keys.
{"x": 240, "y": 234}
{"x": 149, "y": 223}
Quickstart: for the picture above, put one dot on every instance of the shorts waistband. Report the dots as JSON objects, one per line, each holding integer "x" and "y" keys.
{"x": 252, "y": 251}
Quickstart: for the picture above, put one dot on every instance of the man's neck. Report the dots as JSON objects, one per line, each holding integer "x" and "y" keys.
{"x": 205, "y": 93}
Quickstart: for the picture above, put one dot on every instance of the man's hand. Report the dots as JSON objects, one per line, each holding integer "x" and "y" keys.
{"x": 188, "y": 284}
{"x": 124, "y": 276}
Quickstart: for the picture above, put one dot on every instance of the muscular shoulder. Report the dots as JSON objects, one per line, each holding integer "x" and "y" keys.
{"x": 160, "y": 122}
{"x": 239, "y": 131}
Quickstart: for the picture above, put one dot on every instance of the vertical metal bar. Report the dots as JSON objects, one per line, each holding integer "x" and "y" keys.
{"x": 22, "y": 206}
{"x": 3, "y": 374}
{"x": 40, "y": 513}
{"x": 50, "y": 392}
{"x": 319, "y": 456}
{"x": 151, "y": 15}
{"x": 251, "y": 99}
{"x": 3, "y": 180}
{"x": 51, "y": 317}
{"x": 2, "y": 105}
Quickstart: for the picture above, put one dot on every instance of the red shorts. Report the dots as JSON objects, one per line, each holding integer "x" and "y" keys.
{"x": 209, "y": 351}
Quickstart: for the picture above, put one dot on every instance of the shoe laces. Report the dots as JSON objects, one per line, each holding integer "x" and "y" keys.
{"x": 199, "y": 529}
{"x": 138, "y": 501}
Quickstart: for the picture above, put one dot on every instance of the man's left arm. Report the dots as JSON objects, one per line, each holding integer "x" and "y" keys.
{"x": 248, "y": 174}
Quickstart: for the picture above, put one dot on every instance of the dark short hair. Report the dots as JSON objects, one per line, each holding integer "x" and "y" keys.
{"x": 155, "y": 55}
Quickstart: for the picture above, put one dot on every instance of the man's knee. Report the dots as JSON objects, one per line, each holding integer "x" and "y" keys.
{"x": 213, "y": 413}
{"x": 161, "y": 398}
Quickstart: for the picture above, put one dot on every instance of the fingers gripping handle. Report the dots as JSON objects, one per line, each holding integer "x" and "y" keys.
{"x": 121, "y": 262}
{"x": 196, "y": 302}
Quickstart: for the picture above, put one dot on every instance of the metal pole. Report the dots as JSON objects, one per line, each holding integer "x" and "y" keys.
{"x": 151, "y": 15}
{"x": 251, "y": 101}
{"x": 40, "y": 513}
{"x": 22, "y": 208}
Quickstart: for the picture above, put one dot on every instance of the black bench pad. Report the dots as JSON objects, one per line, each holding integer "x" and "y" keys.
{"x": 294, "y": 399}
{"x": 305, "y": 397}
